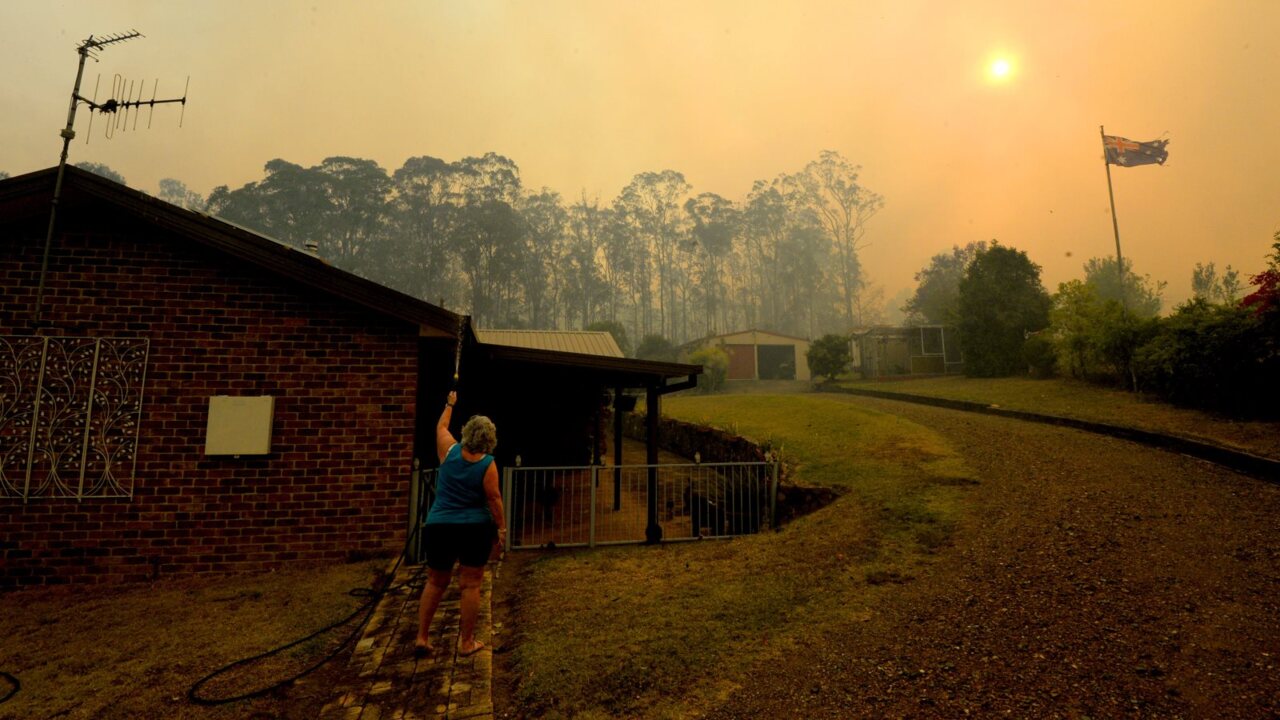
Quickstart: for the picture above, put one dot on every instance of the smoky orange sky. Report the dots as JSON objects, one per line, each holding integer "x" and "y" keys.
{"x": 583, "y": 95}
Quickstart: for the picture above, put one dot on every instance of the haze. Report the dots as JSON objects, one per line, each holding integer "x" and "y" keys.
{"x": 584, "y": 95}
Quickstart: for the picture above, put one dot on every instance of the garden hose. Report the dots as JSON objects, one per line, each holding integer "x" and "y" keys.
{"x": 374, "y": 595}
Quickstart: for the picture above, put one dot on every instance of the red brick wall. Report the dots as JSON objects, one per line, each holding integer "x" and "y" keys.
{"x": 344, "y": 381}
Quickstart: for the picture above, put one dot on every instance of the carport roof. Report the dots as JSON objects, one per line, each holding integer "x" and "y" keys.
{"x": 586, "y": 342}
{"x": 610, "y": 371}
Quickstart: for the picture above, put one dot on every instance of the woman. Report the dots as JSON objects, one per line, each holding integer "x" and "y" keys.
{"x": 460, "y": 526}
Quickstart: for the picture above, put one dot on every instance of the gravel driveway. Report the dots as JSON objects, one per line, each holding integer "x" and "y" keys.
{"x": 1089, "y": 578}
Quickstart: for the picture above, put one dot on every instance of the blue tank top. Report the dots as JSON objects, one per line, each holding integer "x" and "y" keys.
{"x": 460, "y": 494}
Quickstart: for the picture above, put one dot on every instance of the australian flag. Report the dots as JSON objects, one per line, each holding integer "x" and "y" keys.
{"x": 1126, "y": 152}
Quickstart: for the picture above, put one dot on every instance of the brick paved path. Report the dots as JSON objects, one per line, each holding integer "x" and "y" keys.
{"x": 395, "y": 685}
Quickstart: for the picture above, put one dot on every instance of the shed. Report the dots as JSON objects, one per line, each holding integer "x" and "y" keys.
{"x": 762, "y": 355}
{"x": 885, "y": 351}
{"x": 196, "y": 397}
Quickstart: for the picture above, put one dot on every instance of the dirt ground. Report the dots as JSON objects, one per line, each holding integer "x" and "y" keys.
{"x": 1090, "y": 578}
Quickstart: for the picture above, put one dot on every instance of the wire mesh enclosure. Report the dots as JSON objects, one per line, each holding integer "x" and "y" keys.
{"x": 587, "y": 506}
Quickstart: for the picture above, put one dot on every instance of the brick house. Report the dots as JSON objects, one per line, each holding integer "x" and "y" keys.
{"x": 163, "y": 332}
{"x": 148, "y": 312}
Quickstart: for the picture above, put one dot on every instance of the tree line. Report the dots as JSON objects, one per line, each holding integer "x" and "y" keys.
{"x": 665, "y": 265}
{"x": 658, "y": 260}
{"x": 1220, "y": 350}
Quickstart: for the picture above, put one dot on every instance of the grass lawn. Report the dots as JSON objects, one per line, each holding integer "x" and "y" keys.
{"x": 133, "y": 651}
{"x": 1084, "y": 401}
{"x": 663, "y": 631}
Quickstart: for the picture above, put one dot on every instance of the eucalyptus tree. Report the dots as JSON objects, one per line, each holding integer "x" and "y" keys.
{"x": 715, "y": 223}
{"x": 831, "y": 188}
{"x": 805, "y": 298}
{"x": 176, "y": 192}
{"x": 937, "y": 296}
{"x": 868, "y": 304}
{"x": 491, "y": 256}
{"x": 650, "y": 205}
{"x": 765, "y": 221}
{"x": 354, "y": 211}
{"x": 102, "y": 170}
{"x": 421, "y": 211}
{"x": 243, "y": 206}
{"x": 626, "y": 268}
{"x": 1206, "y": 284}
{"x": 543, "y": 276}
{"x": 585, "y": 289}
{"x": 1140, "y": 296}
{"x": 488, "y": 177}
{"x": 288, "y": 203}
{"x": 788, "y": 253}
{"x": 488, "y": 236}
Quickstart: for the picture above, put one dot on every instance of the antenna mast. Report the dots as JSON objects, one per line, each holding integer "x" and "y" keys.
{"x": 89, "y": 49}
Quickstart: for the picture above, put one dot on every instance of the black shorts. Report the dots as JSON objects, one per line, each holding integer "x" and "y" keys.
{"x": 468, "y": 544}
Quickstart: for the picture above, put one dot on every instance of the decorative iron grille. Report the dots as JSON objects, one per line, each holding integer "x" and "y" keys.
{"x": 69, "y": 415}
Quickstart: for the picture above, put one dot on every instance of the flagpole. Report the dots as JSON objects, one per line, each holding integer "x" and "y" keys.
{"x": 1115, "y": 225}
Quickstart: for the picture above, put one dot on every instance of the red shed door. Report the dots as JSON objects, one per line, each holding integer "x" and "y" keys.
{"x": 742, "y": 361}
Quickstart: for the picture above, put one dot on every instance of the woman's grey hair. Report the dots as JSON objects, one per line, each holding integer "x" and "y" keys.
{"x": 479, "y": 435}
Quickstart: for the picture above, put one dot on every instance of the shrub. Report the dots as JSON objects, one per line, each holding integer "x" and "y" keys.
{"x": 1214, "y": 357}
{"x": 1120, "y": 334}
{"x": 829, "y": 356}
{"x": 1095, "y": 339}
{"x": 1038, "y": 353}
{"x": 1073, "y": 324}
{"x": 715, "y": 367}
{"x": 655, "y": 347}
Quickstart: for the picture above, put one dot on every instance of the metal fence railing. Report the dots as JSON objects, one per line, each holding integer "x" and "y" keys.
{"x": 600, "y": 505}
{"x": 422, "y": 492}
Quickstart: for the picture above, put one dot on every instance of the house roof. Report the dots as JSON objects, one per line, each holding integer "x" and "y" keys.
{"x": 584, "y": 342}
{"x": 30, "y": 194}
{"x": 889, "y": 330}
{"x": 750, "y": 330}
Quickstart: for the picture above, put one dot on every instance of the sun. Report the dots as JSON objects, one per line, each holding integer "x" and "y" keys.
{"x": 1000, "y": 69}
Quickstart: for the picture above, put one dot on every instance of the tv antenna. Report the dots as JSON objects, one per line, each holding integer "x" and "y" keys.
{"x": 121, "y": 104}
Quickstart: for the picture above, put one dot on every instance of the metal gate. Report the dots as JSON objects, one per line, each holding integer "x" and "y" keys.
{"x": 422, "y": 492}
{"x": 70, "y": 409}
{"x": 587, "y": 506}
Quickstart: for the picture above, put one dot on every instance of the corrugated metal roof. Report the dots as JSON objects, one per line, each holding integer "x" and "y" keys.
{"x": 611, "y": 371}
{"x": 582, "y": 342}
{"x": 757, "y": 332}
